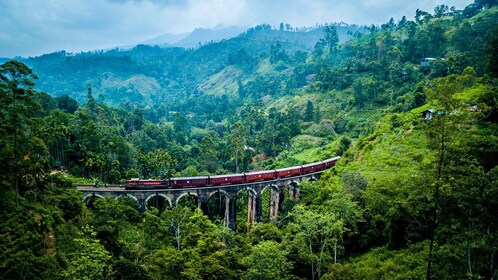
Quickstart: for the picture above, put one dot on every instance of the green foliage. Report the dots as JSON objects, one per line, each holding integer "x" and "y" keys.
{"x": 89, "y": 261}
{"x": 408, "y": 194}
{"x": 382, "y": 263}
{"x": 267, "y": 261}
{"x": 23, "y": 244}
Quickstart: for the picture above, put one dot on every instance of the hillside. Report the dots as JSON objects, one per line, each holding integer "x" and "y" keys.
{"x": 410, "y": 106}
{"x": 177, "y": 70}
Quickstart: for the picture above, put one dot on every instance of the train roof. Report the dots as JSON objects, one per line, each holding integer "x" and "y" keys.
{"x": 312, "y": 164}
{"x": 189, "y": 178}
{"x": 227, "y": 175}
{"x": 146, "y": 180}
{"x": 288, "y": 168}
{"x": 260, "y": 172}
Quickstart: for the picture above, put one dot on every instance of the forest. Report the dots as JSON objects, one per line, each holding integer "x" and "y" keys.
{"x": 410, "y": 106}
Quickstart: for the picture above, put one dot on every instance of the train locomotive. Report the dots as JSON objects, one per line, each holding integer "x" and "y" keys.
{"x": 230, "y": 179}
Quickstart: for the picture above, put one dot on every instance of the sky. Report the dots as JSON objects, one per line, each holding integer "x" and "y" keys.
{"x": 35, "y": 27}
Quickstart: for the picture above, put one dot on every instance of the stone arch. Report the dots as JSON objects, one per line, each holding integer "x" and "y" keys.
{"x": 271, "y": 202}
{"x": 128, "y": 195}
{"x": 248, "y": 189}
{"x": 227, "y": 195}
{"x": 89, "y": 199}
{"x": 269, "y": 186}
{"x": 88, "y": 196}
{"x": 185, "y": 194}
{"x": 158, "y": 194}
{"x": 247, "y": 208}
{"x": 216, "y": 205}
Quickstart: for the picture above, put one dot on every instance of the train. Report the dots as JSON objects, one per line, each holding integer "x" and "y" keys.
{"x": 230, "y": 179}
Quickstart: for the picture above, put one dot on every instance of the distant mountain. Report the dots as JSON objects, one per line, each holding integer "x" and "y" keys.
{"x": 199, "y": 36}
{"x": 167, "y": 39}
{"x": 203, "y": 36}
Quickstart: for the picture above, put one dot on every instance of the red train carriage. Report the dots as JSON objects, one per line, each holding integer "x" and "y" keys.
{"x": 189, "y": 181}
{"x": 261, "y": 175}
{"x": 227, "y": 179}
{"x": 328, "y": 163}
{"x": 312, "y": 167}
{"x": 289, "y": 171}
{"x": 136, "y": 183}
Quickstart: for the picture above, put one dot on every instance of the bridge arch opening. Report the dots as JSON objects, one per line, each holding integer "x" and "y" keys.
{"x": 272, "y": 199}
{"x": 129, "y": 200}
{"x": 125, "y": 197}
{"x": 189, "y": 200}
{"x": 245, "y": 207}
{"x": 289, "y": 197}
{"x": 217, "y": 205}
{"x": 90, "y": 199}
{"x": 158, "y": 201}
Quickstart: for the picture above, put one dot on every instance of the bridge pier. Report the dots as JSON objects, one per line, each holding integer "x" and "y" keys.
{"x": 258, "y": 208}
{"x": 294, "y": 191}
{"x": 274, "y": 204}
{"x": 202, "y": 203}
{"x": 297, "y": 192}
{"x": 230, "y": 212}
{"x": 251, "y": 210}
{"x": 142, "y": 205}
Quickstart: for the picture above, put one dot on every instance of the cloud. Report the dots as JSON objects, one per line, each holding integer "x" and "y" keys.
{"x": 34, "y": 27}
{"x": 157, "y": 2}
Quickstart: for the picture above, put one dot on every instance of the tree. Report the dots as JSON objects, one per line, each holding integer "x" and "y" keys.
{"x": 316, "y": 231}
{"x": 237, "y": 142}
{"x": 16, "y": 89}
{"x": 318, "y": 115}
{"x": 267, "y": 260}
{"x": 331, "y": 37}
{"x": 89, "y": 261}
{"x": 66, "y": 104}
{"x": 208, "y": 158}
{"x": 421, "y": 15}
{"x": 156, "y": 164}
{"x": 181, "y": 124}
{"x": 358, "y": 93}
{"x": 449, "y": 122}
{"x": 440, "y": 10}
{"x": 310, "y": 112}
{"x": 57, "y": 136}
{"x": 492, "y": 47}
{"x": 177, "y": 219}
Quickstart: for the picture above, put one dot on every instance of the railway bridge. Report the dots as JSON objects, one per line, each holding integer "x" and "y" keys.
{"x": 277, "y": 187}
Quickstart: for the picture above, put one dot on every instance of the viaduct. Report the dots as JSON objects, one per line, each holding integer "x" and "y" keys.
{"x": 255, "y": 191}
